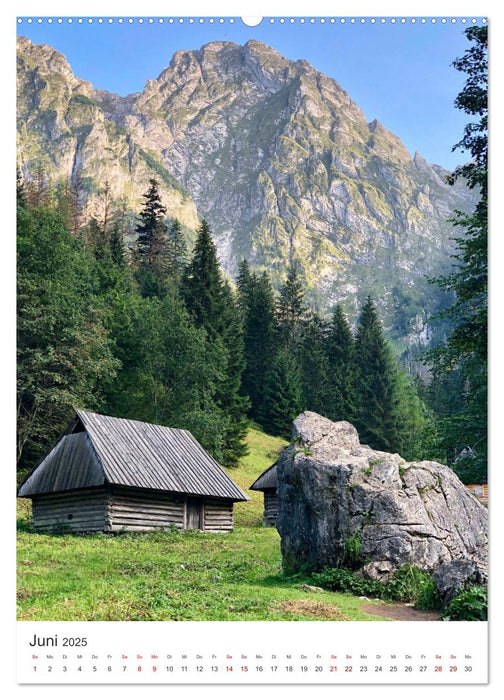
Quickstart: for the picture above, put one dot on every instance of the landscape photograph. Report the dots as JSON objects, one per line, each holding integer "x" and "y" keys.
{"x": 252, "y": 319}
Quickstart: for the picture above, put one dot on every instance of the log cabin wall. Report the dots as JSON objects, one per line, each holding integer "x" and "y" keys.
{"x": 270, "y": 507}
{"x": 142, "y": 511}
{"x": 80, "y": 511}
{"x": 218, "y": 515}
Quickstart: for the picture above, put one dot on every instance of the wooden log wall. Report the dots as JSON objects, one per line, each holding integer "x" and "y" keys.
{"x": 218, "y": 515}
{"x": 270, "y": 507}
{"x": 102, "y": 510}
{"x": 144, "y": 511}
{"x": 81, "y": 511}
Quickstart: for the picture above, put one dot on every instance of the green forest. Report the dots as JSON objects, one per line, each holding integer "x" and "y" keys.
{"x": 126, "y": 318}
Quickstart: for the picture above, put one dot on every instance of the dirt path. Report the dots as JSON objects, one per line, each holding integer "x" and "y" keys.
{"x": 394, "y": 611}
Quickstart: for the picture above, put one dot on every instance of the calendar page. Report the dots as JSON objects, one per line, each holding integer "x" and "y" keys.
{"x": 252, "y": 348}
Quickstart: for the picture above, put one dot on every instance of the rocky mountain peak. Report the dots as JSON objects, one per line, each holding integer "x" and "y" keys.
{"x": 274, "y": 153}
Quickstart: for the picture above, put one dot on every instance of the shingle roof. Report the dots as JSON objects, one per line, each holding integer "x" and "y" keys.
{"x": 267, "y": 480}
{"x": 127, "y": 452}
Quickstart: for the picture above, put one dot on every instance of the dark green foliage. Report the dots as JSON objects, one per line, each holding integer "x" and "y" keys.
{"x": 176, "y": 253}
{"x": 470, "y": 604}
{"x": 203, "y": 286}
{"x": 407, "y": 585}
{"x": 64, "y": 352}
{"x": 342, "y": 368}
{"x": 465, "y": 349}
{"x": 116, "y": 245}
{"x": 244, "y": 284}
{"x": 170, "y": 372}
{"x": 20, "y": 190}
{"x": 212, "y": 306}
{"x": 282, "y": 396}
{"x": 352, "y": 552}
{"x": 314, "y": 365}
{"x": 291, "y": 308}
{"x": 377, "y": 396}
{"x": 259, "y": 332}
{"x": 151, "y": 244}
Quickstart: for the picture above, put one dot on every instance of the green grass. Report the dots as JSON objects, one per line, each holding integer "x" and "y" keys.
{"x": 172, "y": 575}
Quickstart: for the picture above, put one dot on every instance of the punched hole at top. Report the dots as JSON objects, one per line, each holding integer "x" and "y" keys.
{"x": 251, "y": 21}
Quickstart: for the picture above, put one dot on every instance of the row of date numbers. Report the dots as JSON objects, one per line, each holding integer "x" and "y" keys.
{"x": 260, "y": 669}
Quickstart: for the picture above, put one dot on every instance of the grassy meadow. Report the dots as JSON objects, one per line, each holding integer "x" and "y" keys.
{"x": 173, "y": 575}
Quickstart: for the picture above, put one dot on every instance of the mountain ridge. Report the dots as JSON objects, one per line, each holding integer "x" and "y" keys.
{"x": 275, "y": 154}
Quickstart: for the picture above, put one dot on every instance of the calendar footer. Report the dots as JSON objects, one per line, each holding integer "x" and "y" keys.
{"x": 252, "y": 652}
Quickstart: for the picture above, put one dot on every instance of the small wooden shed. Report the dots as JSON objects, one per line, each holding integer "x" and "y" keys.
{"x": 110, "y": 474}
{"x": 268, "y": 483}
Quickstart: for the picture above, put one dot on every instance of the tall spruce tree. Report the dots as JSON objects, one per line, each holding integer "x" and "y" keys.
{"x": 176, "y": 253}
{"x": 466, "y": 350}
{"x": 378, "y": 419}
{"x": 342, "y": 368}
{"x": 259, "y": 332}
{"x": 244, "y": 284}
{"x": 116, "y": 245}
{"x": 291, "y": 308}
{"x": 282, "y": 396}
{"x": 211, "y": 304}
{"x": 151, "y": 244}
{"x": 203, "y": 284}
{"x": 314, "y": 365}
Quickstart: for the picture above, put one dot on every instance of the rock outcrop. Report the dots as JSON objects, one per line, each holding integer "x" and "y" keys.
{"x": 342, "y": 503}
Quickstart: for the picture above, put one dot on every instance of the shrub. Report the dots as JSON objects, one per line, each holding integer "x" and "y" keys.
{"x": 352, "y": 551}
{"x": 469, "y": 604}
{"x": 408, "y": 585}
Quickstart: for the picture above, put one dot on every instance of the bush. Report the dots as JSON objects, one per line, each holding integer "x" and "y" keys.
{"x": 408, "y": 585}
{"x": 469, "y": 604}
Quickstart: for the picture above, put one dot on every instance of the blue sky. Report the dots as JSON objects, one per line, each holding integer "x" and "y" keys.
{"x": 400, "y": 74}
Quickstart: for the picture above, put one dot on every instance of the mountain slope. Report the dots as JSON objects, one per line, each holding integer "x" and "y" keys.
{"x": 273, "y": 153}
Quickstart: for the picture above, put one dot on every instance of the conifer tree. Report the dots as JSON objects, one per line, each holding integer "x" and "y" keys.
{"x": 244, "y": 283}
{"x": 342, "y": 369}
{"x": 20, "y": 189}
{"x": 377, "y": 395}
{"x": 282, "y": 396}
{"x": 211, "y": 304}
{"x": 151, "y": 244}
{"x": 151, "y": 230}
{"x": 176, "y": 253}
{"x": 116, "y": 245}
{"x": 203, "y": 284}
{"x": 291, "y": 308}
{"x": 466, "y": 347}
{"x": 258, "y": 311}
{"x": 314, "y": 365}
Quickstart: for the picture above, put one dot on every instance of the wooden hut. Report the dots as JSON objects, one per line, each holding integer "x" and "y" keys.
{"x": 110, "y": 474}
{"x": 267, "y": 483}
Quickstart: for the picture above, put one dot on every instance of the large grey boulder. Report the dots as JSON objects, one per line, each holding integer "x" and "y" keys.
{"x": 342, "y": 502}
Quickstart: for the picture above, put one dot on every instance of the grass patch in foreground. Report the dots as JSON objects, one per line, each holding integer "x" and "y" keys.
{"x": 167, "y": 576}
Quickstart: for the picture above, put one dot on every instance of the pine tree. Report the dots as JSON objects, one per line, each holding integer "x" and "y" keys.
{"x": 342, "y": 368}
{"x": 378, "y": 419}
{"x": 282, "y": 396}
